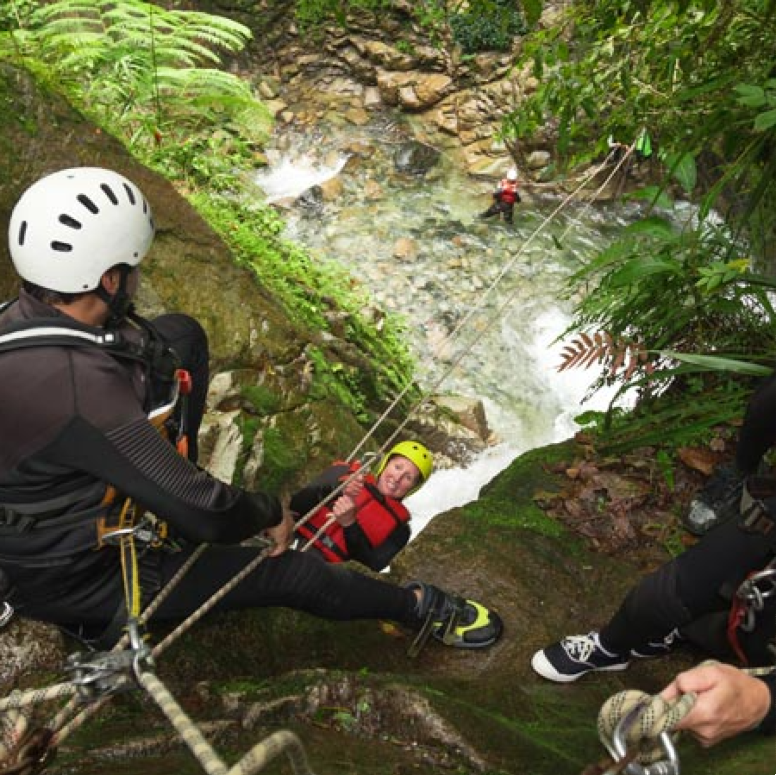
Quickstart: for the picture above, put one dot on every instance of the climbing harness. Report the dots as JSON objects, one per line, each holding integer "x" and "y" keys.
{"x": 748, "y": 602}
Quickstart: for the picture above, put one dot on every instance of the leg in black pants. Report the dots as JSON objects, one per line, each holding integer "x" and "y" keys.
{"x": 686, "y": 588}
{"x": 295, "y": 579}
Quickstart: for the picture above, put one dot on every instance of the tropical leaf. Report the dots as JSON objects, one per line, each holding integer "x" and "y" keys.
{"x": 720, "y": 363}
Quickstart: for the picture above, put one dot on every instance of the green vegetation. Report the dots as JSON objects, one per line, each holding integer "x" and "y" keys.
{"x": 677, "y": 308}
{"x": 310, "y": 288}
{"x": 474, "y": 25}
{"x": 671, "y": 308}
{"x": 494, "y": 30}
{"x": 150, "y": 76}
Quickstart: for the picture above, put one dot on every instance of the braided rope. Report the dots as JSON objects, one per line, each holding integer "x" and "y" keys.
{"x": 210, "y": 603}
{"x": 272, "y": 746}
{"x": 657, "y": 716}
{"x": 253, "y": 762}
{"x": 17, "y": 699}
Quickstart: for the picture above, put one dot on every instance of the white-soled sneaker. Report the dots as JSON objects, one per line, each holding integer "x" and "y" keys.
{"x": 575, "y": 656}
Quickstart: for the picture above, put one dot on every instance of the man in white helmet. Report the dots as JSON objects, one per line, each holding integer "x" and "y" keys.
{"x": 85, "y": 386}
{"x": 504, "y": 198}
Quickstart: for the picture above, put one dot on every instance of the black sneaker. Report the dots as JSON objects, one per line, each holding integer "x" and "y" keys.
{"x": 658, "y": 647}
{"x": 575, "y": 656}
{"x": 455, "y": 621}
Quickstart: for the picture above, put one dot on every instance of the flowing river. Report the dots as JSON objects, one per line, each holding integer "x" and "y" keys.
{"x": 484, "y": 301}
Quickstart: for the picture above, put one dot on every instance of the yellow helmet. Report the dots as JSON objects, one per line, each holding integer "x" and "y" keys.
{"x": 415, "y": 452}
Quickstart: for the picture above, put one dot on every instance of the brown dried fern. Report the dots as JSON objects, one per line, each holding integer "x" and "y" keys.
{"x": 585, "y": 351}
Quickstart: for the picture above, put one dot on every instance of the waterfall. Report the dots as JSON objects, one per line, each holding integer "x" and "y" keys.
{"x": 289, "y": 177}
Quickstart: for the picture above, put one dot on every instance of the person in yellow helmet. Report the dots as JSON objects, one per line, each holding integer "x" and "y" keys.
{"x": 370, "y": 522}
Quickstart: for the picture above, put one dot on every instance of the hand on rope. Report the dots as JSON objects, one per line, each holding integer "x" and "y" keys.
{"x": 347, "y": 486}
{"x": 729, "y": 700}
{"x": 636, "y": 730}
{"x": 281, "y": 535}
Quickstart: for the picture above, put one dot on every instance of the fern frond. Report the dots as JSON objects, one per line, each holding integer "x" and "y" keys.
{"x": 586, "y": 351}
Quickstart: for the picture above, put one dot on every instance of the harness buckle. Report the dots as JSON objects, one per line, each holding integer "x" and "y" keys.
{"x": 99, "y": 674}
{"x": 149, "y": 531}
{"x": 755, "y": 516}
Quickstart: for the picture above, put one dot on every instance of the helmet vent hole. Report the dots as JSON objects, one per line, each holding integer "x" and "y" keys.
{"x": 130, "y": 194}
{"x": 69, "y": 221}
{"x": 109, "y": 193}
{"x": 62, "y": 247}
{"x": 22, "y": 232}
{"x": 88, "y": 204}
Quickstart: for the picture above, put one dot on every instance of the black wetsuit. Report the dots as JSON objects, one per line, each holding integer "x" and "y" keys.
{"x": 73, "y": 419}
{"x": 692, "y": 591}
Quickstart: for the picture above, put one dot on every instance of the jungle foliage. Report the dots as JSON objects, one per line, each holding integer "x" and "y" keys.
{"x": 150, "y": 75}
{"x": 474, "y": 25}
{"x": 689, "y": 289}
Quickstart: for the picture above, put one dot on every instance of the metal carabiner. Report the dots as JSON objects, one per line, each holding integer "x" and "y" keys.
{"x": 751, "y": 589}
{"x": 754, "y": 597}
{"x": 619, "y": 750}
{"x": 6, "y": 613}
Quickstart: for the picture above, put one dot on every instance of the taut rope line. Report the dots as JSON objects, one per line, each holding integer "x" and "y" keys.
{"x": 483, "y": 298}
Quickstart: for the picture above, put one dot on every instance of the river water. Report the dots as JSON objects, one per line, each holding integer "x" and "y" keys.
{"x": 484, "y": 301}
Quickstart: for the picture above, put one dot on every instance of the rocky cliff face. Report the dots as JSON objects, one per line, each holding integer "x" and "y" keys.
{"x": 382, "y": 61}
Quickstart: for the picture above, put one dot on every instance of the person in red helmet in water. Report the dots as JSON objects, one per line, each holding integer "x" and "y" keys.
{"x": 504, "y": 198}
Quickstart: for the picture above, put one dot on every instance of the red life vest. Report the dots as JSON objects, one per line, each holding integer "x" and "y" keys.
{"x": 508, "y": 191}
{"x": 376, "y": 514}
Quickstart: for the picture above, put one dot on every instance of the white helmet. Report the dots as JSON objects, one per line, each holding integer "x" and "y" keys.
{"x": 68, "y": 228}
{"x": 512, "y": 175}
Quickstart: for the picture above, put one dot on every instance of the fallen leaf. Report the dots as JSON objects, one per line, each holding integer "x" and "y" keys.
{"x": 699, "y": 458}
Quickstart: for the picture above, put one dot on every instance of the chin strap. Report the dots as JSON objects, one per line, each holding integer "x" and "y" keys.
{"x": 120, "y": 303}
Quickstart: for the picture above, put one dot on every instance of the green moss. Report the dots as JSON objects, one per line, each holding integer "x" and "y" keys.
{"x": 263, "y": 400}
{"x": 509, "y": 500}
{"x": 493, "y": 513}
{"x": 309, "y": 288}
{"x": 281, "y": 460}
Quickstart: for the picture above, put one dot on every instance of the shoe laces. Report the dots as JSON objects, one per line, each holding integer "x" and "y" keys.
{"x": 580, "y": 647}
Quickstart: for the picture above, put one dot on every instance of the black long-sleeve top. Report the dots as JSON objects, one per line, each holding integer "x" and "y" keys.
{"x": 73, "y": 420}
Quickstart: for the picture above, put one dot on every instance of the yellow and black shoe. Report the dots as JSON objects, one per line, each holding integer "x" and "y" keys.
{"x": 455, "y": 621}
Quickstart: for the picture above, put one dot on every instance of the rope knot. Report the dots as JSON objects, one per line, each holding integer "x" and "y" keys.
{"x": 635, "y": 726}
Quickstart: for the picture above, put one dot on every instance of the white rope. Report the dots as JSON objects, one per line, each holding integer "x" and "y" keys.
{"x": 483, "y": 298}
